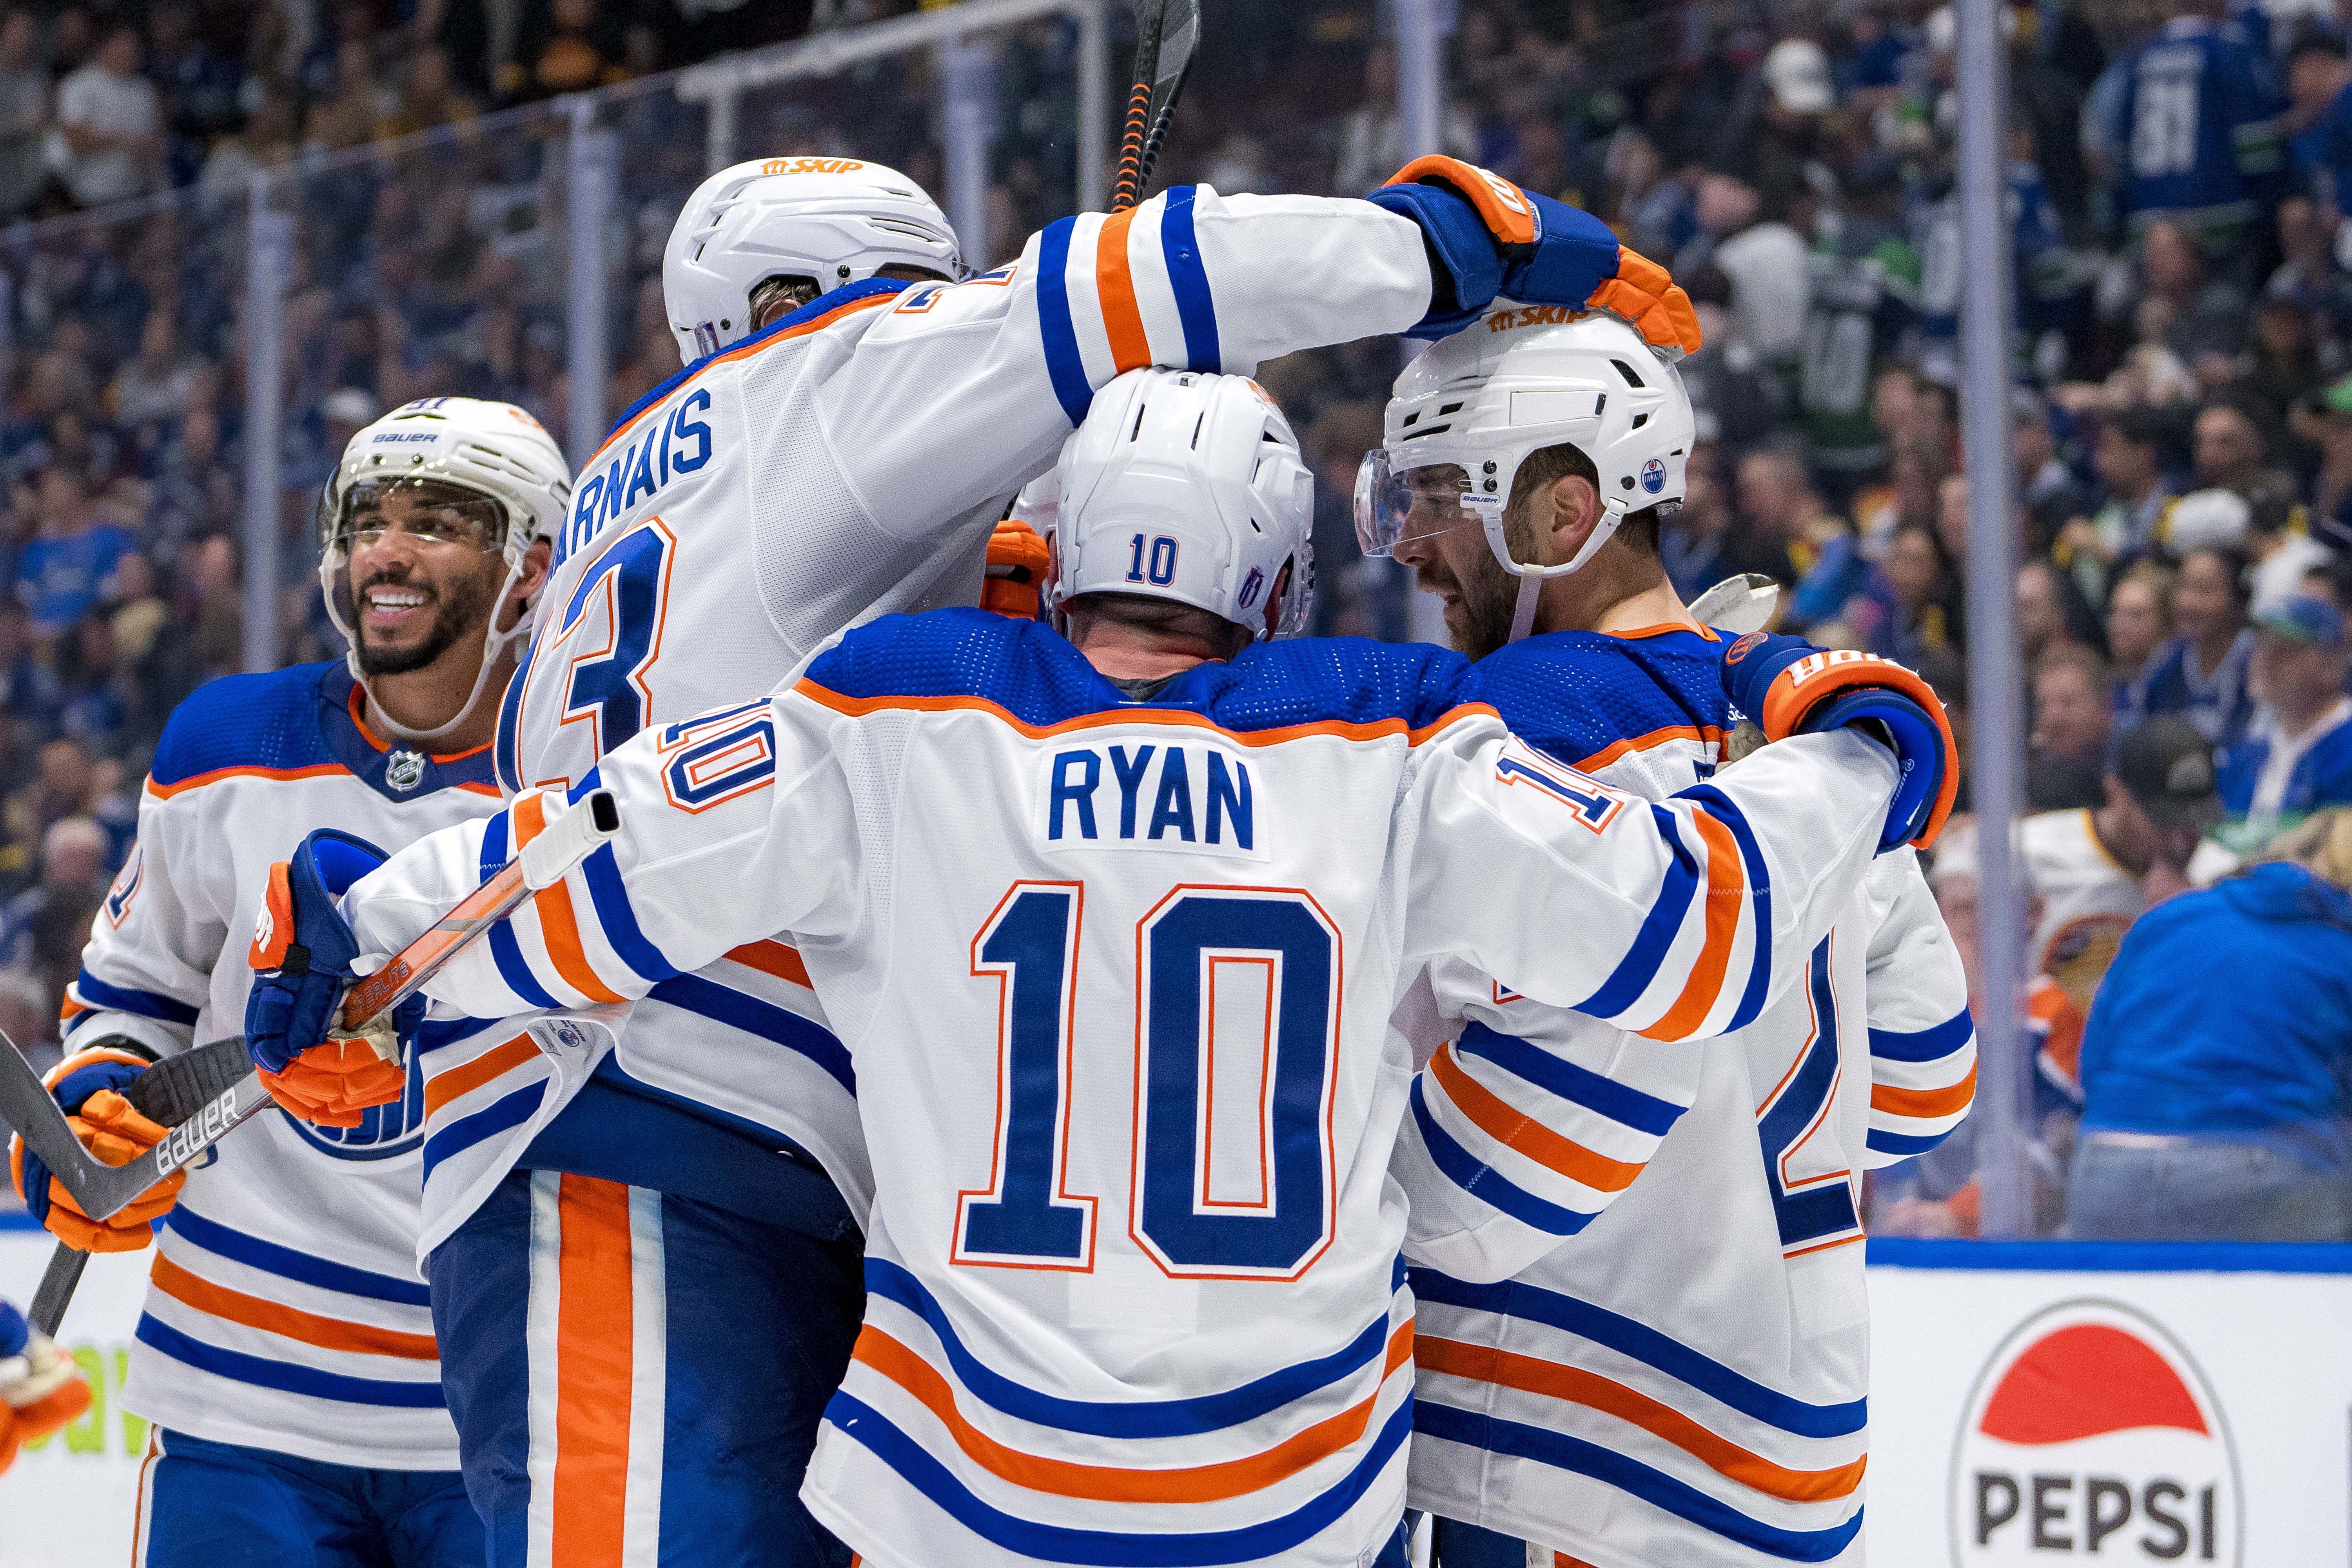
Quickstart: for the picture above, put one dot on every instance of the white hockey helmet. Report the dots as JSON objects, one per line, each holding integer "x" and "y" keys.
{"x": 492, "y": 460}
{"x": 1469, "y": 412}
{"x": 1187, "y": 486}
{"x": 837, "y": 220}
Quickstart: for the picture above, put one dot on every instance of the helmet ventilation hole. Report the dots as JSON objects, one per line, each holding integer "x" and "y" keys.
{"x": 1627, "y": 372}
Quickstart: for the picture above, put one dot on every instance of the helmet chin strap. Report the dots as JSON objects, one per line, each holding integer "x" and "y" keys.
{"x": 494, "y": 642}
{"x": 1532, "y": 578}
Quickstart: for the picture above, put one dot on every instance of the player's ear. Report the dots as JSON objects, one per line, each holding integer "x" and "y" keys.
{"x": 1575, "y": 511}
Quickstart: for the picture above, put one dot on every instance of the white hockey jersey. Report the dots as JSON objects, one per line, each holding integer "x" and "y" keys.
{"x": 285, "y": 1310}
{"x": 848, "y": 461}
{"x": 1116, "y": 979}
{"x": 1684, "y": 1380}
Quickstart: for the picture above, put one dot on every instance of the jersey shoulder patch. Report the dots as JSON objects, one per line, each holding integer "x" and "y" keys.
{"x": 1031, "y": 672}
{"x": 1582, "y": 696}
{"x": 269, "y": 720}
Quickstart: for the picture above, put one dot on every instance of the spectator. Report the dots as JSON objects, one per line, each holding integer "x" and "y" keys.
{"x": 111, "y": 121}
{"x": 2213, "y": 1108}
{"x": 153, "y": 388}
{"x": 2201, "y": 673}
{"x": 2073, "y": 711}
{"x": 2296, "y": 757}
{"x": 2139, "y": 619}
{"x": 1793, "y": 537}
{"x": 23, "y": 116}
{"x": 2196, "y": 129}
{"x": 44, "y": 928}
{"x": 2129, "y": 456}
{"x": 1745, "y": 233}
{"x": 62, "y": 574}
{"x": 2230, "y": 452}
{"x": 1917, "y": 598}
{"x": 2046, "y": 487}
{"x": 2040, "y": 617}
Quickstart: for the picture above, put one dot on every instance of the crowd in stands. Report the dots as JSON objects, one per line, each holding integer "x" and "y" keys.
{"x": 2182, "y": 411}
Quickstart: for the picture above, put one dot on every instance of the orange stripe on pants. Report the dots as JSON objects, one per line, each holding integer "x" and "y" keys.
{"x": 592, "y": 1350}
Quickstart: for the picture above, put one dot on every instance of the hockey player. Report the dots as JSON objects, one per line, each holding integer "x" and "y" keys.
{"x": 1112, "y": 929}
{"x": 846, "y": 459}
{"x": 1642, "y": 1336}
{"x": 287, "y": 1357}
{"x": 41, "y": 1389}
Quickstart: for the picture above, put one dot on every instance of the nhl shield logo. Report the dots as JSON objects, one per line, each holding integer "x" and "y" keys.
{"x": 1653, "y": 476}
{"x": 2092, "y": 1430}
{"x": 404, "y": 770}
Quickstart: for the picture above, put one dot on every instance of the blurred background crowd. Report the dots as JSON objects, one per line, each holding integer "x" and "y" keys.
{"x": 2182, "y": 416}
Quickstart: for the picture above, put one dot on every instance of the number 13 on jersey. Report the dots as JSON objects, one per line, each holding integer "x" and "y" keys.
{"x": 1231, "y": 1048}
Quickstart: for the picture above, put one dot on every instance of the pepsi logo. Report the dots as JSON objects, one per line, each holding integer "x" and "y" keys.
{"x": 1743, "y": 647}
{"x": 1653, "y": 476}
{"x": 2091, "y": 1433}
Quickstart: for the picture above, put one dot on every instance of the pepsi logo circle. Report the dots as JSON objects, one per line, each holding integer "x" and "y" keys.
{"x": 1653, "y": 476}
{"x": 2092, "y": 1434}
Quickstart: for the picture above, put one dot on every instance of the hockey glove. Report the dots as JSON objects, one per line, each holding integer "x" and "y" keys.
{"x": 88, "y": 1087}
{"x": 1016, "y": 571}
{"x": 303, "y": 956}
{"x": 1791, "y": 687}
{"x": 41, "y": 1389}
{"x": 1489, "y": 238}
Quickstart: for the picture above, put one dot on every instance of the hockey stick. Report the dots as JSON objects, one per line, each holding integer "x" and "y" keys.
{"x": 1166, "y": 32}
{"x": 101, "y": 1190}
{"x": 169, "y": 1093}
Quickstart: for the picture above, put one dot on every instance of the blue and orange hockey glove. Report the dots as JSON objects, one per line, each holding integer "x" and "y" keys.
{"x": 1488, "y": 238}
{"x": 302, "y": 957}
{"x": 87, "y": 1085}
{"x": 1791, "y": 687}
{"x": 1017, "y": 558}
{"x": 41, "y": 1389}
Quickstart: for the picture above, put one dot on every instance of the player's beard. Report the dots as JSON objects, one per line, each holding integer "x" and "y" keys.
{"x": 1489, "y": 594}
{"x": 458, "y": 612}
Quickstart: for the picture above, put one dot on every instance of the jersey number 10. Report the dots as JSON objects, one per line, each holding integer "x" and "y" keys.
{"x": 1269, "y": 942}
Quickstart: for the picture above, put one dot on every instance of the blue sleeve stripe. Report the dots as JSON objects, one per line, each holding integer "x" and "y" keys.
{"x": 487, "y": 1122}
{"x": 619, "y": 919}
{"x": 1121, "y": 1418}
{"x": 494, "y": 844}
{"x": 614, "y": 914}
{"x": 1619, "y": 1102}
{"x": 288, "y": 1264}
{"x": 1900, "y": 1143}
{"x": 1759, "y": 886}
{"x": 1518, "y": 1299}
{"x": 1640, "y": 965}
{"x": 1495, "y": 1434}
{"x": 97, "y": 992}
{"x": 1924, "y": 1045}
{"x": 1058, "y": 332}
{"x": 286, "y": 1376}
{"x": 1144, "y": 1549}
{"x": 737, "y": 1010}
{"x": 1188, "y": 280}
{"x": 1485, "y": 1182}
{"x": 505, "y": 951}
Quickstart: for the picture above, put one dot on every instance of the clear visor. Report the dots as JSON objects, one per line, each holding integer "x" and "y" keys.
{"x": 1393, "y": 506}
{"x": 432, "y": 511}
